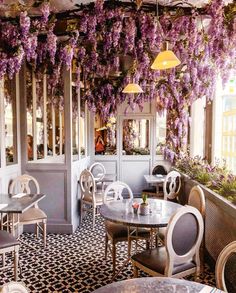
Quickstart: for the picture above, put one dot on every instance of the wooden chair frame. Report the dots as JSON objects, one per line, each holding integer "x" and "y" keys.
{"x": 172, "y": 257}
{"x": 117, "y": 188}
{"x": 15, "y": 250}
{"x": 220, "y": 265}
{"x": 88, "y": 194}
{"x": 171, "y": 181}
{"x": 102, "y": 174}
{"x": 22, "y": 184}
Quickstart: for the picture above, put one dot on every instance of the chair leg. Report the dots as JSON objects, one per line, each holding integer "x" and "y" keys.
{"x": 44, "y": 234}
{"x": 16, "y": 260}
{"x": 106, "y": 245}
{"x": 3, "y": 260}
{"x": 94, "y": 214}
{"x": 147, "y": 244}
{"x": 135, "y": 271}
{"x": 37, "y": 230}
{"x": 114, "y": 257}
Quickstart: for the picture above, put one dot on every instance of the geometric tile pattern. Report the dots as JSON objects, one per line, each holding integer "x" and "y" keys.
{"x": 73, "y": 263}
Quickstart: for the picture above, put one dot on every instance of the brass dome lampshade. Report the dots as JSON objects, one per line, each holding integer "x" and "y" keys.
{"x": 132, "y": 88}
{"x": 165, "y": 59}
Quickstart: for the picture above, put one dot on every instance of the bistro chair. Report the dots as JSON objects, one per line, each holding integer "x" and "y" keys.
{"x": 91, "y": 199}
{"x": 9, "y": 243}
{"x": 172, "y": 185}
{"x": 33, "y": 215}
{"x": 224, "y": 257}
{"x": 197, "y": 200}
{"x": 14, "y": 287}
{"x": 152, "y": 190}
{"x": 98, "y": 171}
{"x": 180, "y": 255}
{"x": 117, "y": 232}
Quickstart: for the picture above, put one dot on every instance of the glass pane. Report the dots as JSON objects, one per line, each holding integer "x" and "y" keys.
{"x": 29, "y": 114}
{"x": 39, "y": 117}
{"x": 160, "y": 132}
{"x": 105, "y": 136}
{"x": 82, "y": 128}
{"x": 10, "y": 121}
{"x": 75, "y": 121}
{"x": 136, "y": 139}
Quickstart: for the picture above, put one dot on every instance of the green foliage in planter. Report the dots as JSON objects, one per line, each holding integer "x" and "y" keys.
{"x": 144, "y": 198}
{"x": 217, "y": 177}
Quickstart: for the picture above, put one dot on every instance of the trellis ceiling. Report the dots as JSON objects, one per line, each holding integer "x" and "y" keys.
{"x": 8, "y": 7}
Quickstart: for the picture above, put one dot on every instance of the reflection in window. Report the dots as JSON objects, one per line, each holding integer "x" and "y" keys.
{"x": 10, "y": 122}
{"x": 105, "y": 136}
{"x": 75, "y": 121}
{"x": 82, "y": 128}
{"x": 45, "y": 117}
{"x": 160, "y": 132}
{"x": 136, "y": 137}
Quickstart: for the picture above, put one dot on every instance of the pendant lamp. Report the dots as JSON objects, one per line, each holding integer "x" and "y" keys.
{"x": 132, "y": 88}
{"x": 165, "y": 59}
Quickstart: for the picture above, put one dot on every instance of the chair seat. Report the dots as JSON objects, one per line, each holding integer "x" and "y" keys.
{"x": 156, "y": 260}
{"x": 120, "y": 231}
{"x": 32, "y": 214}
{"x": 7, "y": 240}
{"x": 99, "y": 198}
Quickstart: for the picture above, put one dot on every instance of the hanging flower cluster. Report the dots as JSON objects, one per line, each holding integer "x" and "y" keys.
{"x": 113, "y": 48}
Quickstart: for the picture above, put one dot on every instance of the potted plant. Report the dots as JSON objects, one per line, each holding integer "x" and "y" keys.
{"x": 144, "y": 208}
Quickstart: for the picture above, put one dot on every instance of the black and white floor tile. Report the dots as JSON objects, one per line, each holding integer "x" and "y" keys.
{"x": 73, "y": 263}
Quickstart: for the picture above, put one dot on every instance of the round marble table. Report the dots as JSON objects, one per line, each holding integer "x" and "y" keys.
{"x": 155, "y": 284}
{"x": 121, "y": 211}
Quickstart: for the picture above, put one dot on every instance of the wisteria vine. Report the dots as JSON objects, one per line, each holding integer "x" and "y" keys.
{"x": 111, "y": 48}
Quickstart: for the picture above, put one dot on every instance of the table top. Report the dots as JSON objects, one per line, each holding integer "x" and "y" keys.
{"x": 155, "y": 178}
{"x": 19, "y": 205}
{"x": 155, "y": 284}
{"x": 121, "y": 211}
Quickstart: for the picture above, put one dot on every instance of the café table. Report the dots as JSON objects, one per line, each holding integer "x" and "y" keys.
{"x": 14, "y": 205}
{"x": 156, "y": 180}
{"x": 121, "y": 212}
{"x": 156, "y": 284}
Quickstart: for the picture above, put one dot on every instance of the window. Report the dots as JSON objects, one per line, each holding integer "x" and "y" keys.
{"x": 75, "y": 124}
{"x": 160, "y": 132}
{"x": 45, "y": 118}
{"x": 225, "y": 124}
{"x": 105, "y": 136}
{"x": 82, "y": 128}
{"x": 10, "y": 122}
{"x": 136, "y": 137}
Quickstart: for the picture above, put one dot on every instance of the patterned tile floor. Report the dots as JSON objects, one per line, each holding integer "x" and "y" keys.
{"x": 73, "y": 263}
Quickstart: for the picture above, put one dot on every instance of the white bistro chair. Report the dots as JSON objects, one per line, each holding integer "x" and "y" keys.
{"x": 117, "y": 232}
{"x": 91, "y": 199}
{"x": 180, "y": 255}
{"x": 33, "y": 215}
{"x": 223, "y": 258}
{"x": 172, "y": 185}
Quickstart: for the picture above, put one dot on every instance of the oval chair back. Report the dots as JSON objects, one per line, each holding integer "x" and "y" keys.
{"x": 172, "y": 185}
{"x": 197, "y": 199}
{"x": 22, "y": 184}
{"x": 183, "y": 239}
{"x": 222, "y": 259}
{"x": 98, "y": 171}
{"x": 116, "y": 189}
{"x": 87, "y": 185}
{"x": 159, "y": 169}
